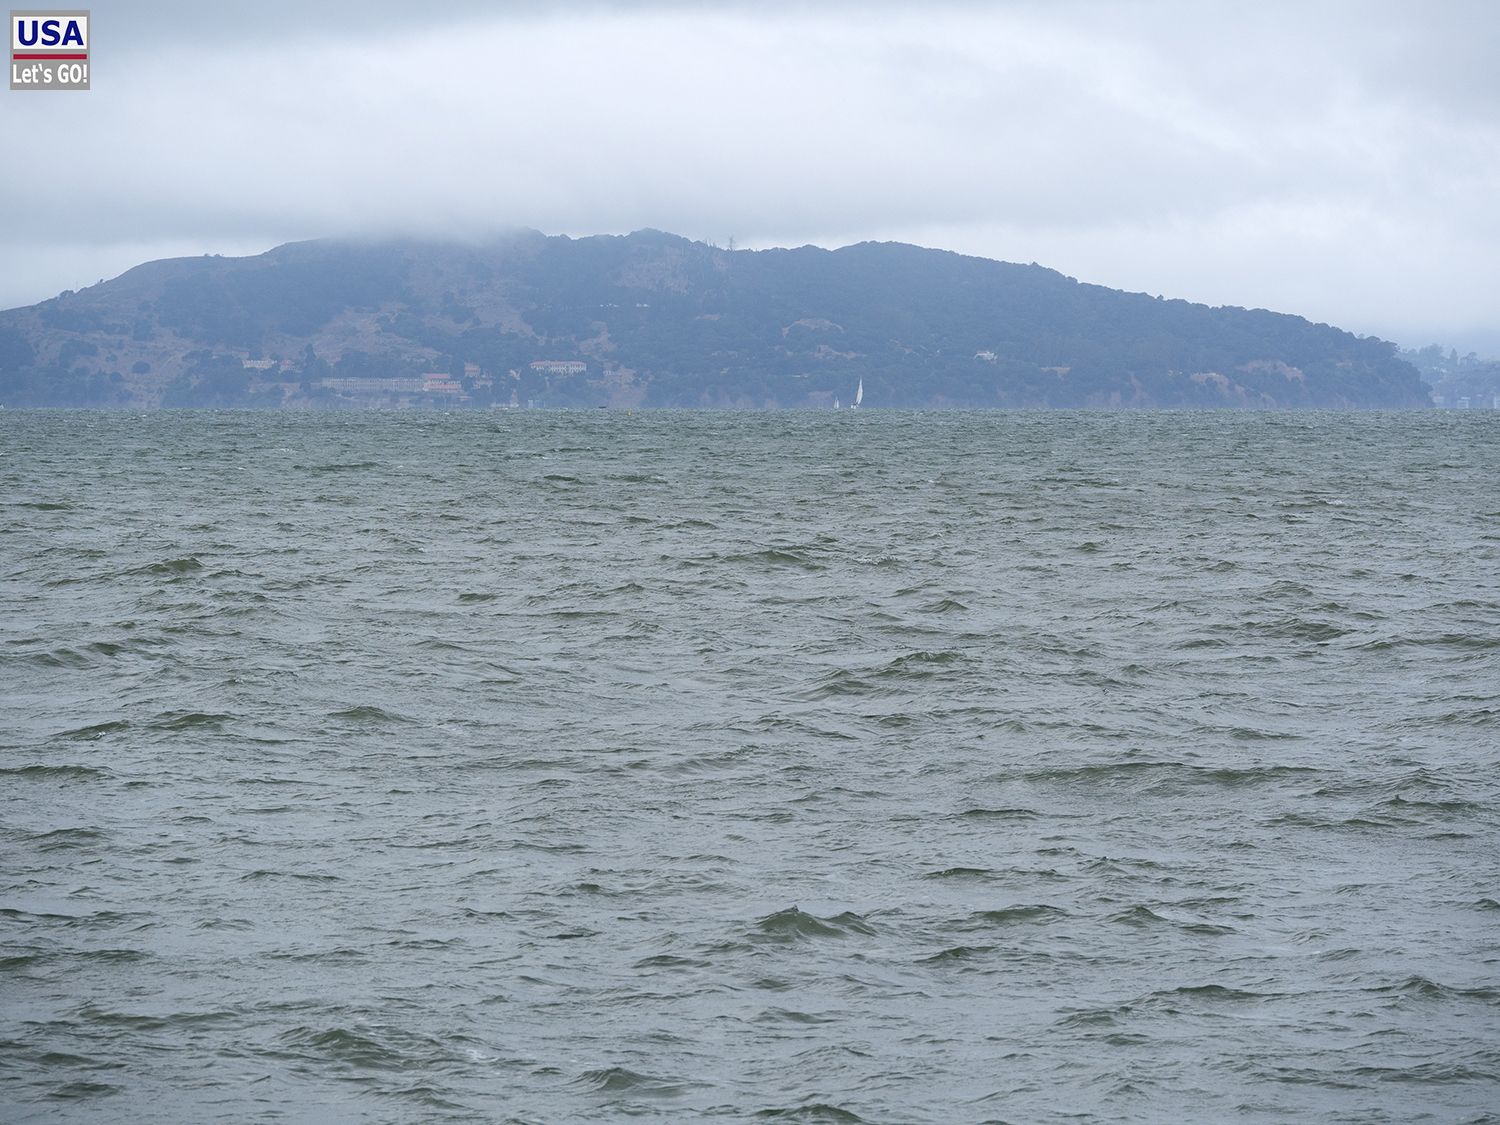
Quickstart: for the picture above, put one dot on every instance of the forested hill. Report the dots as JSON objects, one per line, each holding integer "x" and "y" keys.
{"x": 653, "y": 320}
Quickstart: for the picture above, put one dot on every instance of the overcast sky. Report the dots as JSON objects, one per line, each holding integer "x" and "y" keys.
{"x": 1340, "y": 160}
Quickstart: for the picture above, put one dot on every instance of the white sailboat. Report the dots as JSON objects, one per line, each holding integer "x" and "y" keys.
{"x": 859, "y": 395}
{"x": 836, "y": 404}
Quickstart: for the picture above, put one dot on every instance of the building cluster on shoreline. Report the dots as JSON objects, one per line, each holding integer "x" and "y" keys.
{"x": 439, "y": 385}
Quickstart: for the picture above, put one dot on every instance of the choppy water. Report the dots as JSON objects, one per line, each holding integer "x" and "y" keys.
{"x": 876, "y": 767}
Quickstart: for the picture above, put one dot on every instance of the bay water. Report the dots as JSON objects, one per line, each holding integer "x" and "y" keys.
{"x": 883, "y": 767}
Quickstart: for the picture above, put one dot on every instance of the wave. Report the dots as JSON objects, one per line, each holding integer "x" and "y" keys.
{"x": 793, "y": 924}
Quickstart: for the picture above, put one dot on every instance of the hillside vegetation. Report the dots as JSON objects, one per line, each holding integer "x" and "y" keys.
{"x": 653, "y": 320}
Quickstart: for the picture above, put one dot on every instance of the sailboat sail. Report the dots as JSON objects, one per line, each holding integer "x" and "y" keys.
{"x": 859, "y": 395}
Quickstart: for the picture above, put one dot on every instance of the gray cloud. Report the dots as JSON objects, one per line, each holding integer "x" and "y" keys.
{"x": 1339, "y": 160}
